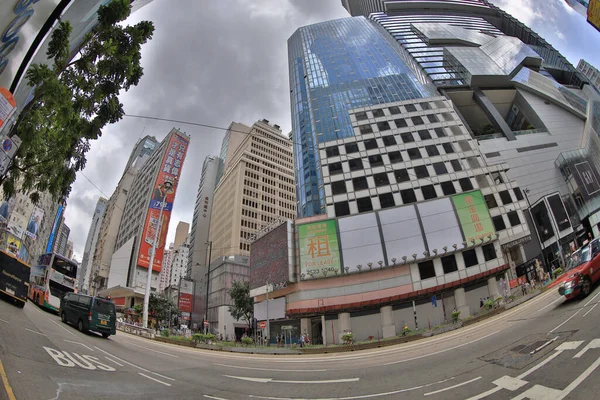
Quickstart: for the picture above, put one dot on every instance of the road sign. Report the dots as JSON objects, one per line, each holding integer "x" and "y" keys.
{"x": 7, "y": 105}
{"x": 206, "y": 323}
{"x": 262, "y": 325}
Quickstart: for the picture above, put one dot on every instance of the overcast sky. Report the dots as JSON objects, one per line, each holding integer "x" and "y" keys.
{"x": 215, "y": 61}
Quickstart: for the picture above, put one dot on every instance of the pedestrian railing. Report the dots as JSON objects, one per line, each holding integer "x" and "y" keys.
{"x": 136, "y": 330}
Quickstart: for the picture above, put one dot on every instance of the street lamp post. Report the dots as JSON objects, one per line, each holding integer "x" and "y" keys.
{"x": 207, "y": 286}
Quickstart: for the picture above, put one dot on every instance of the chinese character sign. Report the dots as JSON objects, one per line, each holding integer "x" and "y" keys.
{"x": 319, "y": 249}
{"x": 474, "y": 216}
{"x": 164, "y": 191}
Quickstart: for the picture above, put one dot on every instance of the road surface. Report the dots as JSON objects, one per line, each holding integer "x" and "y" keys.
{"x": 543, "y": 349}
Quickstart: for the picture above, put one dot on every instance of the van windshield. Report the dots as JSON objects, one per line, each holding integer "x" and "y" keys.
{"x": 104, "y": 306}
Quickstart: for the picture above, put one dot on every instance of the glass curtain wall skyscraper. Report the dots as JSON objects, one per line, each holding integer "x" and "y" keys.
{"x": 337, "y": 66}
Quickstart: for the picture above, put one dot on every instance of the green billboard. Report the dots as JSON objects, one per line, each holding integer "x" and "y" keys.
{"x": 319, "y": 249}
{"x": 474, "y": 216}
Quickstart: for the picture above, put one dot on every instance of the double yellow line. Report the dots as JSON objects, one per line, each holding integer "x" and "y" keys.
{"x": 9, "y": 391}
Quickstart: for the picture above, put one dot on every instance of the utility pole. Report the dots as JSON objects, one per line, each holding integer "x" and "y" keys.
{"x": 207, "y": 286}
{"x": 268, "y": 322}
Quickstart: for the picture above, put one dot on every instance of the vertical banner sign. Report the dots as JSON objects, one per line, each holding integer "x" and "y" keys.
{"x": 186, "y": 291}
{"x": 474, "y": 216}
{"x": 7, "y": 104}
{"x": 54, "y": 229}
{"x": 164, "y": 190}
{"x": 319, "y": 249}
{"x": 34, "y": 222}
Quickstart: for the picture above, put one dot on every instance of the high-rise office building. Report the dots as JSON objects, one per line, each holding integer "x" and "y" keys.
{"x": 179, "y": 263}
{"x": 591, "y": 72}
{"x": 69, "y": 252}
{"x": 233, "y": 137}
{"x": 165, "y": 272}
{"x": 181, "y": 233}
{"x": 86, "y": 268}
{"x": 60, "y": 244}
{"x": 256, "y": 189}
{"x": 198, "y": 253}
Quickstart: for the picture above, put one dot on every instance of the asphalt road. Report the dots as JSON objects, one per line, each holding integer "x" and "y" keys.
{"x": 543, "y": 349}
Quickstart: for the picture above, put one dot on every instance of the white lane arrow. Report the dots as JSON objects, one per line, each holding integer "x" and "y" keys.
{"x": 594, "y": 344}
{"x": 271, "y": 380}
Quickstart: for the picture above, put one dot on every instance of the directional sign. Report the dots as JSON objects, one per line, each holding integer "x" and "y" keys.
{"x": 72, "y": 360}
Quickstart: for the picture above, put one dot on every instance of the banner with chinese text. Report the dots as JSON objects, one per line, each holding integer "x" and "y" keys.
{"x": 474, "y": 216}
{"x": 319, "y": 249}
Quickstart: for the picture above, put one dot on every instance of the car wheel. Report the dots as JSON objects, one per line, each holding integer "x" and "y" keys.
{"x": 105, "y": 335}
{"x": 80, "y": 326}
{"x": 586, "y": 286}
{"x": 63, "y": 317}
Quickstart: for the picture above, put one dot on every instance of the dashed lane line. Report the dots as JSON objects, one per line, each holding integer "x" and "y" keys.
{"x": 272, "y": 369}
{"x": 156, "y": 351}
{"x": 79, "y": 343}
{"x": 5, "y": 321}
{"x": 113, "y": 361}
{"x": 452, "y": 387}
{"x": 154, "y": 379}
{"x": 62, "y": 327}
{"x": 37, "y": 333}
{"x": 133, "y": 365}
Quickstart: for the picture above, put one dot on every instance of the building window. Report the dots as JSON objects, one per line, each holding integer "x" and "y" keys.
{"x": 489, "y": 252}
{"x": 386, "y": 200}
{"x": 407, "y": 137}
{"x": 518, "y": 194}
{"x": 414, "y": 154}
{"x": 360, "y": 183}
{"x": 338, "y": 187}
{"x": 335, "y": 168}
{"x": 361, "y": 116}
{"x": 408, "y": 196}
{"x": 371, "y": 144}
{"x": 440, "y": 132}
{"x": 395, "y": 157}
{"x": 428, "y": 192}
{"x": 364, "y": 204}
{"x": 426, "y": 270}
{"x": 401, "y": 175}
{"x": 432, "y": 150}
{"x": 425, "y": 106}
{"x": 465, "y": 184}
{"x": 498, "y": 223}
{"x": 341, "y": 208}
{"x": 449, "y": 264}
{"x": 389, "y": 140}
{"x": 378, "y": 113}
{"x": 470, "y": 257}
{"x": 448, "y": 148}
{"x": 490, "y": 200}
{"x": 505, "y": 197}
{"x": 351, "y": 148}
{"x": 432, "y": 118}
{"x": 440, "y": 168}
{"x": 381, "y": 179}
{"x": 448, "y": 188}
{"x": 383, "y": 126}
{"x": 513, "y": 218}
{"x": 375, "y": 161}
{"x": 417, "y": 120}
{"x": 355, "y": 164}
{"x": 365, "y": 129}
{"x": 424, "y": 134}
{"x": 456, "y": 165}
{"x": 332, "y": 151}
{"x": 394, "y": 110}
{"x": 410, "y": 108}
{"x": 421, "y": 171}
{"x": 400, "y": 123}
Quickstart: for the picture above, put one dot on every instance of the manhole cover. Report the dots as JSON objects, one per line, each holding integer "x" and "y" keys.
{"x": 519, "y": 354}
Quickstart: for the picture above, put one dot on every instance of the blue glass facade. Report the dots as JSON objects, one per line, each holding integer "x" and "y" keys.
{"x": 337, "y": 66}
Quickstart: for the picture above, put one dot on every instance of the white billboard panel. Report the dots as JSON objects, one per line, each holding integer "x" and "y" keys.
{"x": 402, "y": 233}
{"x": 276, "y": 309}
{"x": 360, "y": 242}
{"x": 440, "y": 224}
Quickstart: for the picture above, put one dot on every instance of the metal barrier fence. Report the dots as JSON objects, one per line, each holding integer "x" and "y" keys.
{"x": 136, "y": 330}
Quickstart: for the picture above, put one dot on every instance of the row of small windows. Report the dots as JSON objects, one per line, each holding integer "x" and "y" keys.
{"x": 491, "y": 202}
{"x": 356, "y": 164}
{"x": 402, "y": 123}
{"x": 395, "y": 110}
{"x": 449, "y": 265}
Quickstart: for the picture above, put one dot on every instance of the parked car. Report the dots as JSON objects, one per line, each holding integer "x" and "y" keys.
{"x": 583, "y": 271}
{"x": 89, "y": 313}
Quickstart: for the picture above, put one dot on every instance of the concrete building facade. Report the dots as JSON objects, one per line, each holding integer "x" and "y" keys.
{"x": 85, "y": 269}
{"x": 165, "y": 273}
{"x": 591, "y": 72}
{"x": 60, "y": 244}
{"x": 181, "y": 233}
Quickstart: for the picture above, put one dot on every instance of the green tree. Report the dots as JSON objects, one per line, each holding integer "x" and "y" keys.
{"x": 74, "y": 98}
{"x": 243, "y": 304}
{"x": 159, "y": 306}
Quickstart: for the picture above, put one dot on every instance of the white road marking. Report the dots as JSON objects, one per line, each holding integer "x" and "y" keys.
{"x": 590, "y": 310}
{"x": 452, "y": 387}
{"x": 442, "y": 351}
{"x": 540, "y": 364}
{"x": 574, "y": 345}
{"x": 485, "y": 394}
{"x": 38, "y": 333}
{"x": 538, "y": 392}
{"x": 567, "y": 320}
{"x": 154, "y": 379}
{"x": 549, "y": 342}
{"x": 113, "y": 361}
{"x": 548, "y": 305}
{"x": 272, "y": 369}
{"x": 213, "y": 397}
{"x": 63, "y": 328}
{"x": 132, "y": 364}
{"x": 593, "y": 344}
{"x": 156, "y": 351}
{"x": 84, "y": 345}
{"x": 162, "y": 376}
{"x": 5, "y": 321}
{"x": 579, "y": 379}
{"x": 271, "y": 380}
{"x": 510, "y": 383}
{"x": 365, "y": 396}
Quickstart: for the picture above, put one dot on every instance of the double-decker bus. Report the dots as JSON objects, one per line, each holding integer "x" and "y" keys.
{"x": 51, "y": 278}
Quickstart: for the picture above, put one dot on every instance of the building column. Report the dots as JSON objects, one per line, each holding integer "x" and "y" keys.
{"x": 460, "y": 298}
{"x": 323, "y": 330}
{"x": 387, "y": 322}
{"x": 493, "y": 288}
{"x": 344, "y": 324}
{"x": 305, "y": 326}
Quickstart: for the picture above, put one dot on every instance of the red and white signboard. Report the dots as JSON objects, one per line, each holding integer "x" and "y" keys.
{"x": 262, "y": 325}
{"x": 7, "y": 105}
{"x": 186, "y": 291}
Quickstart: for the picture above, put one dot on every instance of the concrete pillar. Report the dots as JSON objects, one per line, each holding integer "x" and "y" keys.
{"x": 387, "y": 322}
{"x": 323, "y": 330}
{"x": 344, "y": 324}
{"x": 305, "y": 326}
{"x": 493, "y": 288}
{"x": 460, "y": 297}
